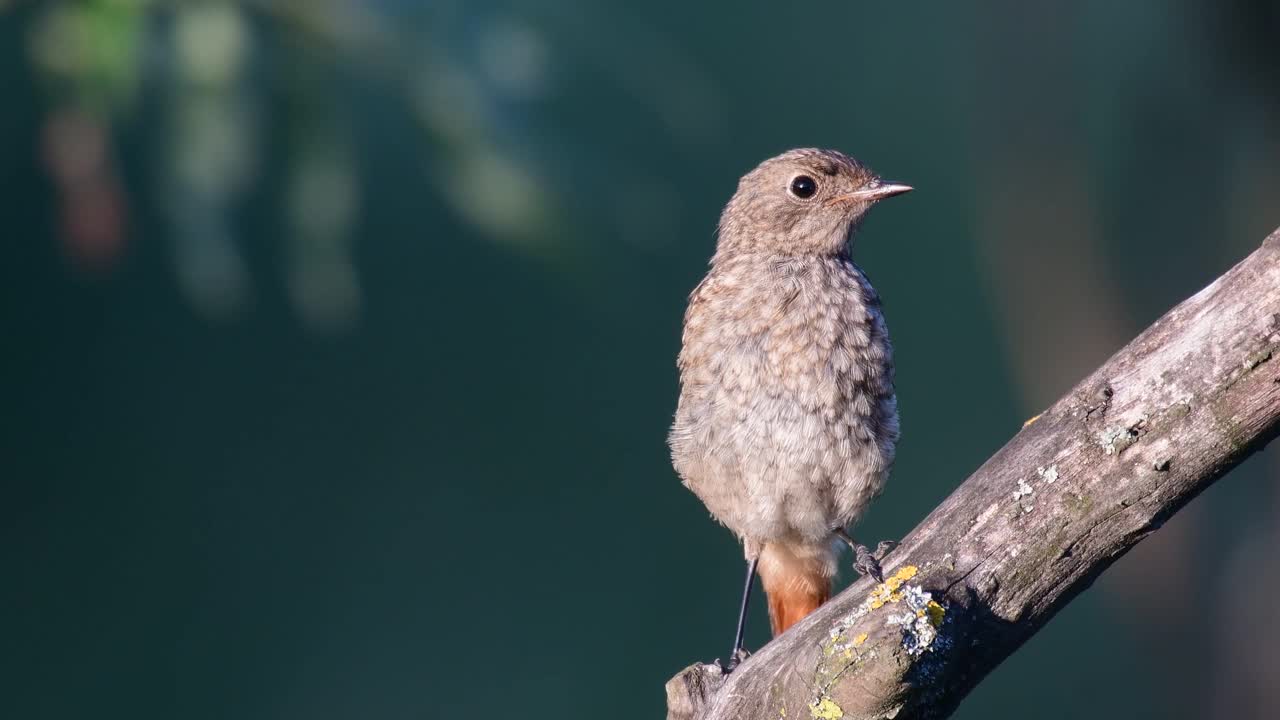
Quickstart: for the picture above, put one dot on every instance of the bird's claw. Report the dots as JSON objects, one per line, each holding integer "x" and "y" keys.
{"x": 866, "y": 562}
{"x": 884, "y": 548}
{"x": 736, "y": 659}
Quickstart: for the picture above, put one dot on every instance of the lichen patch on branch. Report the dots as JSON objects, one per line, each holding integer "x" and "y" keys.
{"x": 919, "y": 621}
{"x": 825, "y": 709}
{"x": 887, "y": 591}
{"x": 920, "y": 624}
{"x": 1115, "y": 440}
{"x": 1023, "y": 489}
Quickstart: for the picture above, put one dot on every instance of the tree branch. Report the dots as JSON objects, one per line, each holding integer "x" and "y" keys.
{"x": 1104, "y": 467}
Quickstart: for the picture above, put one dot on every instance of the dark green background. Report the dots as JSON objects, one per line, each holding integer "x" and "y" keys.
{"x": 461, "y": 504}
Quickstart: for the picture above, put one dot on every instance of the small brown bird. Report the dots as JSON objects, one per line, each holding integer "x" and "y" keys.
{"x": 787, "y": 419}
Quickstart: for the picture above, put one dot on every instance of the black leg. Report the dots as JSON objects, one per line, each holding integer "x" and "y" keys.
{"x": 742, "y": 615}
{"x": 865, "y": 561}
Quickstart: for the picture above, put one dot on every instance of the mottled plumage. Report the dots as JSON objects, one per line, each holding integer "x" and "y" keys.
{"x": 787, "y": 420}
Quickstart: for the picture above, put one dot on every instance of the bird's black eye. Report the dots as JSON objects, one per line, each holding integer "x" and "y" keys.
{"x": 803, "y": 187}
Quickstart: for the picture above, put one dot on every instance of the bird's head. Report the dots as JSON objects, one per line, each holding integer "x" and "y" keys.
{"x": 802, "y": 202}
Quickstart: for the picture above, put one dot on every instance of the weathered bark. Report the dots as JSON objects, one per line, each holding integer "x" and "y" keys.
{"x": 1101, "y": 469}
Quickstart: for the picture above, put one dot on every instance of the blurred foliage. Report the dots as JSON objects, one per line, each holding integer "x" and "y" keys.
{"x": 213, "y": 66}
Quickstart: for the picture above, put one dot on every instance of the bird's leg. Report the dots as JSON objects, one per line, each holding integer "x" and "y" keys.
{"x": 738, "y": 654}
{"x": 865, "y": 561}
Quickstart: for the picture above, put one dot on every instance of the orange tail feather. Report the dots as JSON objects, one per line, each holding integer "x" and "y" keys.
{"x": 796, "y": 579}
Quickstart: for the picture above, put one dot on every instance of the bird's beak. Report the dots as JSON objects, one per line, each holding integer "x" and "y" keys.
{"x": 877, "y": 190}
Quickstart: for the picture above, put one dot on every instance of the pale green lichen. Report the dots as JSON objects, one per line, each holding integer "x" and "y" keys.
{"x": 1023, "y": 489}
{"x": 1253, "y": 360}
{"x": 825, "y": 708}
{"x": 1113, "y": 440}
{"x": 1079, "y": 504}
{"x": 776, "y": 697}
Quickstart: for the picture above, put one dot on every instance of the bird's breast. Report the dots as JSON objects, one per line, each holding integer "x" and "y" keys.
{"x": 810, "y": 329}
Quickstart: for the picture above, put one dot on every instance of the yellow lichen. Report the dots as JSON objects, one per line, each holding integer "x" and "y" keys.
{"x": 825, "y": 709}
{"x": 936, "y": 612}
{"x": 887, "y": 591}
{"x": 905, "y": 573}
{"x": 862, "y": 637}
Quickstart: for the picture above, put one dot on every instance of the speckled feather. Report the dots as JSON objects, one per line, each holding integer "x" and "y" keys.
{"x": 787, "y": 421}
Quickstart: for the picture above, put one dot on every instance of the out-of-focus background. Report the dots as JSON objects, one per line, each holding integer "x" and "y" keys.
{"x": 339, "y": 335}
